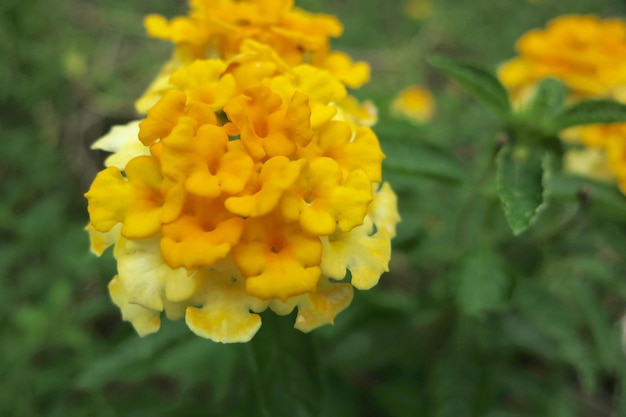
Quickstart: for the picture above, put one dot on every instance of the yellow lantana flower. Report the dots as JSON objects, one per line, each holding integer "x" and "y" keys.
{"x": 245, "y": 193}
{"x": 224, "y": 24}
{"x": 585, "y": 52}
{"x": 220, "y": 28}
{"x": 588, "y": 54}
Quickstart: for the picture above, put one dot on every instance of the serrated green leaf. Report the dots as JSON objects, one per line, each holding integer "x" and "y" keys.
{"x": 484, "y": 85}
{"x": 481, "y": 285}
{"x": 521, "y": 181}
{"x": 590, "y": 112}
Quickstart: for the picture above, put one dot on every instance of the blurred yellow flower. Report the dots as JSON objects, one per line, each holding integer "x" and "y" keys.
{"x": 588, "y": 54}
{"x": 419, "y": 9}
{"x": 604, "y": 157}
{"x": 415, "y": 104}
{"x": 588, "y": 162}
{"x": 249, "y": 188}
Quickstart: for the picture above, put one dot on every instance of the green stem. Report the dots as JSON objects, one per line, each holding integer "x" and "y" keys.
{"x": 256, "y": 381}
{"x": 476, "y": 193}
{"x": 286, "y": 370}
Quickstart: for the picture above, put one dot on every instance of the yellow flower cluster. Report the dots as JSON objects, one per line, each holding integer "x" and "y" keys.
{"x": 218, "y": 28}
{"x": 253, "y": 182}
{"x": 589, "y": 55}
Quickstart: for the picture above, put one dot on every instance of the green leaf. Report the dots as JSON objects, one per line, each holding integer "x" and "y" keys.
{"x": 182, "y": 359}
{"x": 481, "y": 284}
{"x": 129, "y": 360}
{"x": 548, "y": 98}
{"x": 421, "y": 159}
{"x": 477, "y": 80}
{"x": 286, "y": 368}
{"x": 590, "y": 112}
{"x": 520, "y": 386}
{"x": 366, "y": 344}
{"x": 519, "y": 333}
{"x": 455, "y": 382}
{"x": 399, "y": 397}
{"x": 562, "y": 404}
{"x": 558, "y": 320}
{"x": 521, "y": 180}
{"x": 603, "y": 198}
{"x": 606, "y": 339}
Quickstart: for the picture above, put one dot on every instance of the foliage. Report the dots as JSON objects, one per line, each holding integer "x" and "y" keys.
{"x": 505, "y": 291}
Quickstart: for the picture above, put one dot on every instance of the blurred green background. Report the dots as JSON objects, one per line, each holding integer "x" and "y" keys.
{"x": 469, "y": 322}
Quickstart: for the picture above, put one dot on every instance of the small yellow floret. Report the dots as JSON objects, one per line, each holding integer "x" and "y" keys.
{"x": 136, "y": 201}
{"x": 352, "y": 74}
{"x": 323, "y": 200}
{"x": 190, "y": 242}
{"x": 276, "y": 177}
{"x": 278, "y": 261}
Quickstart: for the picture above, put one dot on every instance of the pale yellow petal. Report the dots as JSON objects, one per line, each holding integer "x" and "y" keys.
{"x": 366, "y": 249}
{"x": 123, "y": 141}
{"x": 158, "y": 86}
{"x": 588, "y": 162}
{"x": 317, "y": 308}
{"x": 144, "y": 320}
{"x": 321, "y": 307}
{"x": 384, "y": 208}
{"x": 225, "y": 314}
{"x": 100, "y": 241}
{"x": 366, "y": 255}
{"x": 118, "y": 137}
{"x": 146, "y": 278}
